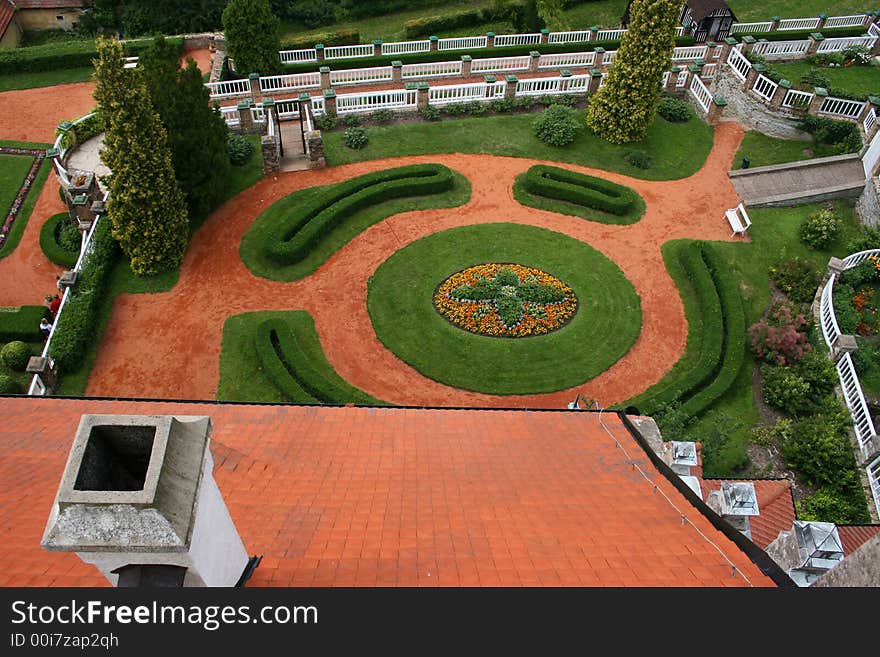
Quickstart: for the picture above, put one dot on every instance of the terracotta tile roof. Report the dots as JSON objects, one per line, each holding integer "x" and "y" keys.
{"x": 853, "y": 536}
{"x": 6, "y": 13}
{"x": 775, "y": 504}
{"x": 397, "y": 497}
{"x": 50, "y": 4}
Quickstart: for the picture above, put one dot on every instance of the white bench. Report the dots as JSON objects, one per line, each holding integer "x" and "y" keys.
{"x": 738, "y": 219}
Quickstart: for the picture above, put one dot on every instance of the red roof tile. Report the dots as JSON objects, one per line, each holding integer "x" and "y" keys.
{"x": 6, "y": 13}
{"x": 853, "y": 536}
{"x": 775, "y": 505}
{"x": 397, "y": 497}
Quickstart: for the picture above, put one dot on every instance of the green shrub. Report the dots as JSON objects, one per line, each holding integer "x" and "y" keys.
{"x": 781, "y": 337}
{"x": 860, "y": 55}
{"x": 9, "y": 386}
{"x": 351, "y": 120}
{"x": 430, "y": 113}
{"x": 239, "y": 148}
{"x": 862, "y": 274}
{"x": 844, "y": 136}
{"x": 292, "y": 239}
{"x": 869, "y": 238}
{"x": 382, "y": 116}
{"x": 567, "y": 100}
{"x": 847, "y": 317}
{"x": 16, "y": 355}
{"x": 783, "y": 388}
{"x": 60, "y": 55}
{"x": 798, "y": 278}
{"x": 475, "y": 108}
{"x": 639, "y": 159}
{"x": 864, "y": 357}
{"x": 674, "y": 110}
{"x": 337, "y": 38}
{"x": 557, "y": 125}
{"x": 22, "y": 323}
{"x": 815, "y": 78}
{"x": 524, "y": 102}
{"x": 50, "y": 237}
{"x": 356, "y": 138}
{"x": 820, "y": 229}
{"x": 578, "y": 188}
{"x": 843, "y": 504}
{"x": 502, "y": 106}
{"x": 818, "y": 447}
{"x": 456, "y": 109}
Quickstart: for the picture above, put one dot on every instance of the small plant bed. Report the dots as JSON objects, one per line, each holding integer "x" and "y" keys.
{"x": 677, "y": 150}
{"x": 857, "y": 309}
{"x": 20, "y": 172}
{"x": 276, "y": 356}
{"x": 568, "y": 192}
{"x": 763, "y": 150}
{"x": 60, "y": 240}
{"x": 400, "y": 300}
{"x": 505, "y": 300}
{"x": 292, "y": 237}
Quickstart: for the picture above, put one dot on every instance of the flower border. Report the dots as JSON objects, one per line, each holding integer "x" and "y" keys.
{"x": 24, "y": 189}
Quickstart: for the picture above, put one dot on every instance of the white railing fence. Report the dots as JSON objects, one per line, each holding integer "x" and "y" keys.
{"x": 228, "y": 89}
{"x": 689, "y": 53}
{"x": 845, "y": 21}
{"x": 349, "y": 52}
{"x": 276, "y": 83}
{"x": 517, "y": 39}
{"x": 463, "y": 93}
{"x": 874, "y": 479}
{"x": 765, "y": 87}
{"x": 371, "y": 75}
{"x": 856, "y": 403}
{"x": 431, "y": 70}
{"x": 579, "y": 36}
{"x": 798, "y": 24}
{"x": 460, "y": 43}
{"x": 400, "y": 47}
{"x": 782, "y": 49}
{"x": 795, "y": 99}
{"x": 298, "y": 56}
{"x": 700, "y": 93}
{"x": 572, "y": 60}
{"x": 741, "y": 28}
{"x": 830, "y": 329}
{"x": 552, "y": 86}
{"x": 609, "y": 35}
{"x": 709, "y": 71}
{"x": 739, "y": 65}
{"x": 842, "y": 43}
{"x": 849, "y": 109}
{"x": 376, "y": 100}
{"x": 500, "y": 64}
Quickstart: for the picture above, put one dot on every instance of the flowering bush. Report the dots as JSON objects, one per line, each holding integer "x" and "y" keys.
{"x": 505, "y": 300}
{"x": 780, "y": 338}
{"x": 820, "y": 228}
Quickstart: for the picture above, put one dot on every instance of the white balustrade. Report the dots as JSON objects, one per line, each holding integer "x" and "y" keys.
{"x": 717, "y": 52}
{"x": 795, "y": 99}
{"x": 608, "y": 57}
{"x": 739, "y": 65}
{"x": 850, "y": 109}
{"x": 318, "y": 106}
{"x": 461, "y": 43}
{"x": 751, "y": 28}
{"x": 855, "y": 402}
{"x": 228, "y": 89}
{"x": 517, "y": 39}
{"x": 287, "y": 109}
{"x": 231, "y": 116}
{"x": 665, "y": 79}
{"x": 852, "y": 20}
{"x": 498, "y": 64}
{"x": 682, "y": 78}
{"x": 298, "y": 56}
{"x": 610, "y": 35}
{"x": 679, "y": 31}
{"x": 870, "y": 120}
{"x": 276, "y": 83}
{"x": 552, "y": 86}
{"x": 463, "y": 93}
{"x": 842, "y": 43}
{"x": 858, "y": 258}
{"x": 874, "y": 30}
{"x": 689, "y": 53}
{"x": 830, "y": 329}
{"x": 873, "y": 472}
{"x": 709, "y": 71}
{"x": 431, "y": 70}
{"x": 764, "y": 87}
{"x": 258, "y": 114}
{"x": 700, "y": 93}
{"x": 782, "y": 49}
{"x": 349, "y": 52}
{"x": 797, "y": 24}
{"x": 376, "y": 100}
{"x": 567, "y": 60}
{"x": 399, "y": 47}
{"x": 579, "y": 36}
{"x": 370, "y": 75}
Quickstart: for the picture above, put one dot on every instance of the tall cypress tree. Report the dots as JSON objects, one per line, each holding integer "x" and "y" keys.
{"x": 624, "y": 107}
{"x": 251, "y": 31}
{"x": 146, "y": 208}
{"x": 196, "y": 132}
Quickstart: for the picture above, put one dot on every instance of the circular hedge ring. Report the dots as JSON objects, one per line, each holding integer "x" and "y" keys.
{"x": 400, "y": 301}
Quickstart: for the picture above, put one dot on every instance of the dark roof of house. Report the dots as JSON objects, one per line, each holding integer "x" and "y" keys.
{"x": 699, "y": 9}
{"x": 336, "y": 496}
{"x": 7, "y": 12}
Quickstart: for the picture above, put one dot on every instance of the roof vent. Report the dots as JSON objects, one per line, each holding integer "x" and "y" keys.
{"x": 736, "y": 502}
{"x": 807, "y": 550}
{"x": 682, "y": 457}
{"x": 140, "y": 491}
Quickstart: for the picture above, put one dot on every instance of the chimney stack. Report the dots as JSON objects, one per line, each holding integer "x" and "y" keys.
{"x": 138, "y": 500}
{"x": 681, "y": 457}
{"x": 736, "y": 502}
{"x": 807, "y": 550}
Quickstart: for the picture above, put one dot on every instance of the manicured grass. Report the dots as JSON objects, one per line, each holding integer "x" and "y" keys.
{"x": 862, "y": 80}
{"x": 24, "y": 213}
{"x": 45, "y": 78}
{"x": 763, "y": 150}
{"x": 678, "y": 149}
{"x": 400, "y": 302}
{"x": 748, "y": 10}
{"x": 605, "y": 13}
{"x": 774, "y": 235}
{"x": 13, "y": 169}
{"x": 252, "y": 249}
{"x": 241, "y": 377}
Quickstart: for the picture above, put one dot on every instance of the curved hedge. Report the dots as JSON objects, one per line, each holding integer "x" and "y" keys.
{"x": 49, "y": 242}
{"x": 22, "y": 323}
{"x": 291, "y": 239}
{"x": 289, "y": 368}
{"x": 579, "y": 188}
{"x": 67, "y": 54}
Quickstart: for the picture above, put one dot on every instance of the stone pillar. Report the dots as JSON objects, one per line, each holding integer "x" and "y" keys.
{"x": 822, "y": 19}
{"x": 534, "y": 61}
{"x": 247, "y": 119}
{"x": 715, "y": 110}
{"x": 490, "y": 39}
{"x": 820, "y": 94}
{"x": 46, "y": 369}
{"x": 545, "y": 35}
{"x": 752, "y": 75}
{"x": 748, "y": 43}
{"x": 872, "y": 449}
{"x": 729, "y": 42}
{"x": 875, "y": 49}
{"x": 82, "y": 210}
{"x": 422, "y": 96}
{"x": 377, "y": 48}
{"x": 843, "y": 344}
{"x": 836, "y": 266}
{"x": 271, "y": 154}
{"x": 397, "y": 72}
{"x": 874, "y": 102}
{"x": 315, "y": 142}
{"x": 594, "y": 33}
{"x": 435, "y": 43}
{"x": 774, "y": 24}
{"x": 490, "y": 81}
{"x": 510, "y": 90}
{"x": 600, "y": 57}
{"x": 815, "y": 38}
{"x": 325, "y": 77}
{"x": 330, "y": 102}
{"x": 779, "y": 94}
{"x": 465, "y": 66}
{"x": 869, "y": 18}
{"x": 710, "y": 50}
{"x": 319, "y": 51}
{"x": 305, "y": 104}
{"x": 672, "y": 79}
{"x": 595, "y": 79}
{"x": 66, "y": 280}
{"x": 254, "y": 82}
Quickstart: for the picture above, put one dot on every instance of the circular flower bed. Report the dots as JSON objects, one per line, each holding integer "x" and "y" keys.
{"x": 505, "y": 300}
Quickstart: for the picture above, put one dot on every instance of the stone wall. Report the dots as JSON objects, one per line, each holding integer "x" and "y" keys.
{"x": 857, "y": 569}
{"x": 868, "y": 205}
{"x": 752, "y": 114}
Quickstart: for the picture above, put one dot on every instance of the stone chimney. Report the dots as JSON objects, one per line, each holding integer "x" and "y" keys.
{"x": 681, "y": 457}
{"x": 736, "y": 502}
{"x": 138, "y": 494}
{"x": 807, "y": 551}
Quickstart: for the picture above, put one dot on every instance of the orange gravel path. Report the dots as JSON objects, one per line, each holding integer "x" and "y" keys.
{"x": 203, "y": 58}
{"x": 168, "y": 345}
{"x": 33, "y": 114}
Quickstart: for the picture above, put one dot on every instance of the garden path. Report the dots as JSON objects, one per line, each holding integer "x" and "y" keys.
{"x": 168, "y": 345}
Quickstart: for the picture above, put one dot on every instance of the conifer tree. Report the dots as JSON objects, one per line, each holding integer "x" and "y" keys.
{"x": 251, "y": 31}
{"x": 624, "y": 107}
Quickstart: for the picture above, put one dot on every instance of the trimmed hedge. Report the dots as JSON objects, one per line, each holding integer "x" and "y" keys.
{"x": 66, "y": 54}
{"x": 15, "y": 355}
{"x": 578, "y": 188}
{"x": 799, "y": 35}
{"x": 452, "y": 55}
{"x": 22, "y": 323}
{"x": 337, "y": 38}
{"x": 293, "y": 239}
{"x": 290, "y": 370}
{"x": 49, "y": 243}
{"x": 680, "y": 387}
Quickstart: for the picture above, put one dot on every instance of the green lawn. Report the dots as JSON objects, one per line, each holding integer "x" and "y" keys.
{"x": 763, "y": 150}
{"x": 252, "y": 249}
{"x": 860, "y": 80}
{"x": 45, "y": 78}
{"x": 678, "y": 149}
{"x": 22, "y": 378}
{"x": 605, "y": 13}
{"x": 241, "y": 377}
{"x": 749, "y": 10}
{"x": 12, "y": 173}
{"x": 400, "y": 302}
